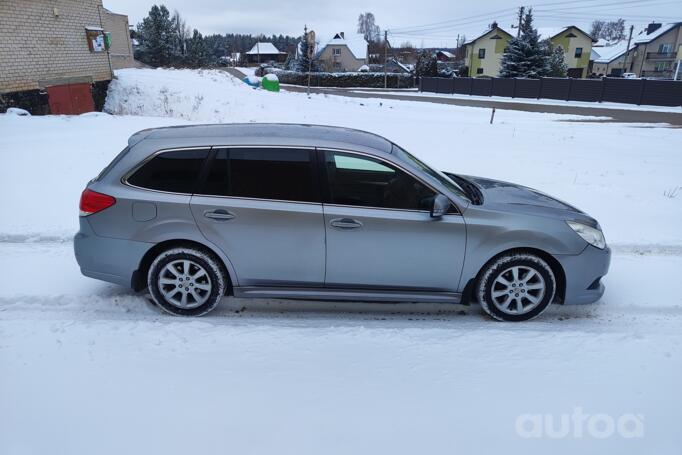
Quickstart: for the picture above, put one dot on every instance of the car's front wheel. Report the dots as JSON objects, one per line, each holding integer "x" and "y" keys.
{"x": 516, "y": 287}
{"x": 186, "y": 281}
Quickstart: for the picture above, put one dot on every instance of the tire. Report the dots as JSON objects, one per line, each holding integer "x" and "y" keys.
{"x": 516, "y": 287}
{"x": 186, "y": 281}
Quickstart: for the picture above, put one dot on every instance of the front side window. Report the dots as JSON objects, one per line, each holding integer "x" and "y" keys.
{"x": 336, "y": 51}
{"x": 175, "y": 171}
{"x": 578, "y": 52}
{"x": 366, "y": 182}
{"x": 481, "y": 53}
{"x": 262, "y": 173}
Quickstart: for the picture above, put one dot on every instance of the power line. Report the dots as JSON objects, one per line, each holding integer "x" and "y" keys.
{"x": 580, "y": 5}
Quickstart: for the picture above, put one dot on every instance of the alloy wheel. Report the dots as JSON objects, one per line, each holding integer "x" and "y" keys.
{"x": 184, "y": 284}
{"x": 518, "y": 290}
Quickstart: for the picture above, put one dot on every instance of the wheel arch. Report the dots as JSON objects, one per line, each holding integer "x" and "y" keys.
{"x": 138, "y": 281}
{"x": 557, "y": 269}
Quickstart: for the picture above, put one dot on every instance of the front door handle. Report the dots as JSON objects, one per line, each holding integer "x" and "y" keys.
{"x": 345, "y": 223}
{"x": 219, "y": 215}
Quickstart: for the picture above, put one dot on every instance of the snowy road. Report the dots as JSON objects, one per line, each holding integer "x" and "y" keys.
{"x": 261, "y": 376}
{"x": 87, "y": 367}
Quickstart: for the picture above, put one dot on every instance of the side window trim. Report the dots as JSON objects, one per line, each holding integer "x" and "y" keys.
{"x": 138, "y": 166}
{"x": 324, "y": 179}
{"x": 312, "y": 156}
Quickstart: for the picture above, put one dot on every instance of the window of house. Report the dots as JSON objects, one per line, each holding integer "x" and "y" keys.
{"x": 662, "y": 66}
{"x": 665, "y": 48}
{"x": 176, "y": 171}
{"x": 367, "y": 182}
{"x": 578, "y": 52}
{"x": 481, "y": 53}
{"x": 479, "y": 70}
{"x": 264, "y": 173}
{"x": 97, "y": 41}
{"x": 336, "y": 51}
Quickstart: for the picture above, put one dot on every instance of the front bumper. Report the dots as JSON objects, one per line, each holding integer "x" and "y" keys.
{"x": 583, "y": 274}
{"x": 107, "y": 259}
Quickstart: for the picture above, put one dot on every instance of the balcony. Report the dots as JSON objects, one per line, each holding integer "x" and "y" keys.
{"x": 664, "y": 74}
{"x": 660, "y": 55}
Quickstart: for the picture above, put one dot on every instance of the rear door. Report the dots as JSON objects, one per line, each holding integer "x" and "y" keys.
{"x": 261, "y": 206}
{"x": 379, "y": 230}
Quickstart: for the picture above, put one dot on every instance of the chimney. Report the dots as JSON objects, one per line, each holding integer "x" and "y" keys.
{"x": 652, "y": 27}
{"x": 493, "y": 26}
{"x": 344, "y": 36}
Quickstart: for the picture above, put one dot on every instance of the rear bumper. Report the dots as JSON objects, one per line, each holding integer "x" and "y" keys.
{"x": 583, "y": 274}
{"x": 107, "y": 259}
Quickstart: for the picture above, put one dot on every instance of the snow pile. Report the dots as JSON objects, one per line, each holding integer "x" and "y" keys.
{"x": 17, "y": 111}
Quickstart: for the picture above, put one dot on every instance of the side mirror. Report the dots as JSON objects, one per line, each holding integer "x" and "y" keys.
{"x": 440, "y": 206}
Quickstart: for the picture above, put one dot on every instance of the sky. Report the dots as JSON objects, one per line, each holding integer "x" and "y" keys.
{"x": 406, "y": 21}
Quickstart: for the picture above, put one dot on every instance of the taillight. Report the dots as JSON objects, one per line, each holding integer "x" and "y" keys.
{"x": 93, "y": 202}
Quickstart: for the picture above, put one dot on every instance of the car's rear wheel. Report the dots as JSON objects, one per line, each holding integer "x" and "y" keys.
{"x": 186, "y": 281}
{"x": 516, "y": 287}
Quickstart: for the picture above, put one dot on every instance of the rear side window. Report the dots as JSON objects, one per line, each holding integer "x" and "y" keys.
{"x": 264, "y": 173}
{"x": 175, "y": 172}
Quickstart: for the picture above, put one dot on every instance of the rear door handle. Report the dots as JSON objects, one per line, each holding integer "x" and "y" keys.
{"x": 345, "y": 223}
{"x": 219, "y": 215}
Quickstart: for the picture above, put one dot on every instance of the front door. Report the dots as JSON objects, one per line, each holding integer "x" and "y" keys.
{"x": 379, "y": 230}
{"x": 261, "y": 206}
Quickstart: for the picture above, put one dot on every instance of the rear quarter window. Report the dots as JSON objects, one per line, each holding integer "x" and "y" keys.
{"x": 174, "y": 171}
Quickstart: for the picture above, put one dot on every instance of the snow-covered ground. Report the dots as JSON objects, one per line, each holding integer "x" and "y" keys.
{"x": 88, "y": 367}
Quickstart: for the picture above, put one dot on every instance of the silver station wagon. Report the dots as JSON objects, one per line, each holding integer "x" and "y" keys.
{"x": 194, "y": 213}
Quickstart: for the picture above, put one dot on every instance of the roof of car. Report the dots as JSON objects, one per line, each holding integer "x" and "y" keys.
{"x": 268, "y": 134}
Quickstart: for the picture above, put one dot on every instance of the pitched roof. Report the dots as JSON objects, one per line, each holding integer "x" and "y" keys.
{"x": 551, "y": 32}
{"x": 264, "y": 49}
{"x": 356, "y": 43}
{"x": 643, "y": 38}
{"x": 607, "y": 54}
{"x": 471, "y": 41}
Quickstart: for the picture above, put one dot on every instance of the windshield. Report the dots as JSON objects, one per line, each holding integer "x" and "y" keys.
{"x": 442, "y": 178}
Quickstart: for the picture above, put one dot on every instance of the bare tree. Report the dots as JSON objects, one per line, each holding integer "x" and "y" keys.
{"x": 612, "y": 31}
{"x": 597, "y": 28}
{"x": 181, "y": 32}
{"x": 368, "y": 28}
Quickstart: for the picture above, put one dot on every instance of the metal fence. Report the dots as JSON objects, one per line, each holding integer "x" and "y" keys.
{"x": 617, "y": 90}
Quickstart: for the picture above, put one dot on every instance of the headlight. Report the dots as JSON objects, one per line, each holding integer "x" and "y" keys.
{"x": 591, "y": 235}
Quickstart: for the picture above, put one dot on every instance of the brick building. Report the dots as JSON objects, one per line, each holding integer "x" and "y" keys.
{"x": 58, "y": 56}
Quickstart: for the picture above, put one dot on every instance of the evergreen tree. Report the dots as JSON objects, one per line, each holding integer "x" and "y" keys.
{"x": 303, "y": 63}
{"x": 427, "y": 64}
{"x": 525, "y": 56}
{"x": 156, "y": 34}
{"x": 556, "y": 62}
{"x": 197, "y": 55}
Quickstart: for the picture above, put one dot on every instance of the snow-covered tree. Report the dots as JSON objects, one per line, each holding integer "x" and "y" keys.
{"x": 197, "y": 54}
{"x": 181, "y": 33}
{"x": 427, "y": 65}
{"x": 368, "y": 28}
{"x": 156, "y": 36}
{"x": 525, "y": 56}
{"x": 555, "y": 61}
{"x": 303, "y": 60}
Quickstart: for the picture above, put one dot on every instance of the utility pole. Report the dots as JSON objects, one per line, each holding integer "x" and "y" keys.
{"x": 627, "y": 50}
{"x": 258, "y": 52}
{"x": 518, "y": 28}
{"x": 385, "y": 59}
